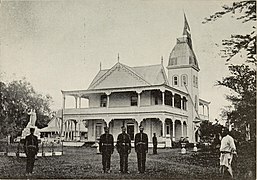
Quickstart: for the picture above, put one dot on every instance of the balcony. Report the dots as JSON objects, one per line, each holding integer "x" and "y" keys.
{"x": 130, "y": 110}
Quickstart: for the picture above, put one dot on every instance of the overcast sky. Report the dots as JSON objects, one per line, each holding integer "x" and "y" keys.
{"x": 58, "y": 45}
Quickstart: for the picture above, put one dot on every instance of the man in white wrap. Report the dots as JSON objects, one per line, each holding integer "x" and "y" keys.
{"x": 227, "y": 150}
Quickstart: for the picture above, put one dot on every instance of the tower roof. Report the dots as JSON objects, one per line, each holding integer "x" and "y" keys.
{"x": 182, "y": 54}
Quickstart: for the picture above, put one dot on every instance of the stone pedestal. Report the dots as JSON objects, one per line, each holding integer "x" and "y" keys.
{"x": 183, "y": 148}
{"x": 168, "y": 142}
{"x": 195, "y": 148}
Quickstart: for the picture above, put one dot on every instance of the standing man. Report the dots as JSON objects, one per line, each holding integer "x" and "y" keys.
{"x": 141, "y": 147}
{"x": 106, "y": 147}
{"x": 124, "y": 149}
{"x": 227, "y": 149}
{"x": 154, "y": 144}
{"x": 31, "y": 149}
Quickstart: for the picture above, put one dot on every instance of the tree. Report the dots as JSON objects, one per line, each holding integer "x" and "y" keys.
{"x": 17, "y": 98}
{"x": 245, "y": 12}
{"x": 242, "y": 81}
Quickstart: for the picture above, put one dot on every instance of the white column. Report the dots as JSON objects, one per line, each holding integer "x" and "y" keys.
{"x": 182, "y": 133}
{"x": 173, "y": 131}
{"x": 76, "y": 102}
{"x": 163, "y": 95}
{"x": 63, "y": 103}
{"x": 79, "y": 102}
{"x": 163, "y": 128}
{"x": 138, "y": 99}
{"x": 208, "y": 111}
{"x": 172, "y": 99}
{"x": 108, "y": 99}
{"x": 203, "y": 109}
{"x": 181, "y": 102}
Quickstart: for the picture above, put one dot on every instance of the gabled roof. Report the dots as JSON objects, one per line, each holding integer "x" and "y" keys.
{"x": 145, "y": 75}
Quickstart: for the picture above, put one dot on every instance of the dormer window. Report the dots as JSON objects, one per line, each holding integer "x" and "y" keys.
{"x": 175, "y": 80}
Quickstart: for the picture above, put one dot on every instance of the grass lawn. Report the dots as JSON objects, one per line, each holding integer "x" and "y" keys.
{"x": 83, "y": 162}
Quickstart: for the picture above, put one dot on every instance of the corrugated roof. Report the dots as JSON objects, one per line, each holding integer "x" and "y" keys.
{"x": 153, "y": 74}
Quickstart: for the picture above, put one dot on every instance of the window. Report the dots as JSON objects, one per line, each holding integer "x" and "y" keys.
{"x": 177, "y": 101}
{"x": 175, "y": 80}
{"x": 133, "y": 101}
{"x": 103, "y": 101}
{"x": 184, "y": 80}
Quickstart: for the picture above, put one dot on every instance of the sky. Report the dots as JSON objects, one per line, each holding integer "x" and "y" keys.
{"x": 58, "y": 45}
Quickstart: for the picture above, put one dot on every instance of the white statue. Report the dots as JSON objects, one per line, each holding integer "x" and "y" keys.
{"x": 32, "y": 118}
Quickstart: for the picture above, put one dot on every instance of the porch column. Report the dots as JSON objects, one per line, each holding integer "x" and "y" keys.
{"x": 108, "y": 99}
{"x": 63, "y": 102}
{"x": 172, "y": 100}
{"x": 208, "y": 111}
{"x": 76, "y": 102}
{"x": 182, "y": 133}
{"x": 79, "y": 102}
{"x": 79, "y": 135}
{"x": 75, "y": 134}
{"x": 173, "y": 130}
{"x": 138, "y": 120}
{"x": 181, "y": 102}
{"x": 163, "y": 126}
{"x": 203, "y": 109}
{"x": 139, "y": 98}
{"x": 163, "y": 95}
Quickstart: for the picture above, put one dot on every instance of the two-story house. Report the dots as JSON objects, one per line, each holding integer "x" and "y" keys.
{"x": 164, "y": 101}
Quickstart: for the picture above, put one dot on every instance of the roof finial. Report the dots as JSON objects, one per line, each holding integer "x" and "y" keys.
{"x": 100, "y": 66}
{"x": 118, "y": 57}
{"x": 162, "y": 60}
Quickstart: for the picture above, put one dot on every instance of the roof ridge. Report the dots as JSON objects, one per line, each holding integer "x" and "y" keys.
{"x": 147, "y": 65}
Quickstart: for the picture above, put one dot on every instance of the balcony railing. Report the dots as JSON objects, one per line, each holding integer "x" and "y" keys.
{"x": 125, "y": 110}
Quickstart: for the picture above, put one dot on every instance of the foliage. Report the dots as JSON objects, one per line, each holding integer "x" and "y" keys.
{"x": 242, "y": 81}
{"x": 246, "y": 11}
{"x": 17, "y": 98}
{"x": 210, "y": 132}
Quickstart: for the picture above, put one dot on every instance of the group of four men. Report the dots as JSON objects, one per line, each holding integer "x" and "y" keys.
{"x": 106, "y": 147}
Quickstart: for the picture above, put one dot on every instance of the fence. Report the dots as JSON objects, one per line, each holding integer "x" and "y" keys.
{"x": 45, "y": 149}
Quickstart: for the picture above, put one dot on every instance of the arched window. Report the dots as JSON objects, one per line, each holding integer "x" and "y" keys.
{"x": 175, "y": 80}
{"x": 183, "y": 80}
{"x": 177, "y": 101}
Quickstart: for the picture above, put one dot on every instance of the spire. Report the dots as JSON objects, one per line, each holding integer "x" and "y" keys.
{"x": 100, "y": 66}
{"x": 162, "y": 60}
{"x": 118, "y": 57}
{"x": 186, "y": 31}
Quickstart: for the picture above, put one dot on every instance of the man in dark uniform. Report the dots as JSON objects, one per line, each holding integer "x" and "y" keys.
{"x": 154, "y": 144}
{"x": 141, "y": 147}
{"x": 124, "y": 149}
{"x": 31, "y": 149}
{"x": 106, "y": 147}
